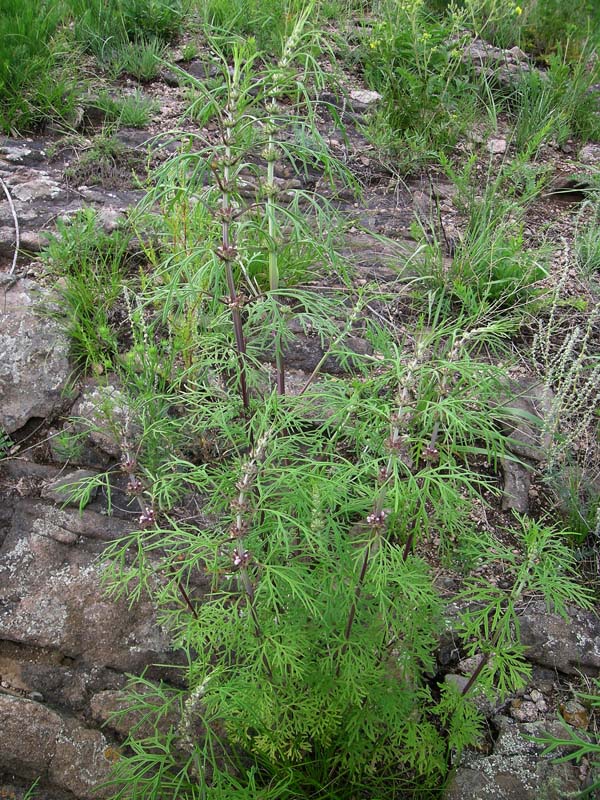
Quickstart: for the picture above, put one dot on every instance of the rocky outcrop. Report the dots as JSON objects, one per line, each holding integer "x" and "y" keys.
{"x": 34, "y": 364}
{"x": 570, "y": 645}
{"x": 505, "y": 66}
{"x": 515, "y": 770}
{"x": 51, "y": 596}
{"x": 41, "y": 192}
{"x": 37, "y": 742}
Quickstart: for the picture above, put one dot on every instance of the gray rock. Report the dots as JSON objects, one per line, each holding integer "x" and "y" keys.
{"x": 34, "y": 364}
{"x": 363, "y": 98}
{"x": 590, "y": 154}
{"x": 33, "y": 241}
{"x": 117, "y": 710}
{"x": 524, "y": 413}
{"x": 104, "y": 413}
{"x": 51, "y": 594}
{"x": 36, "y": 741}
{"x": 27, "y": 152}
{"x": 515, "y": 770}
{"x": 62, "y": 685}
{"x": 569, "y": 645}
{"x": 529, "y": 404}
{"x": 496, "y": 146}
{"x": 517, "y": 480}
{"x": 524, "y": 710}
{"x": 305, "y": 351}
{"x": 15, "y": 154}
{"x": 505, "y": 66}
{"x": 40, "y": 188}
{"x": 63, "y": 489}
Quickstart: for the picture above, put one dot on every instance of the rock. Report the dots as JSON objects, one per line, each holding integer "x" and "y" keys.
{"x": 34, "y": 364}
{"x": 569, "y": 645}
{"x": 15, "y": 151}
{"x": 110, "y": 218}
{"x": 40, "y": 188}
{"x": 590, "y": 154}
{"x": 523, "y": 710}
{"x": 37, "y": 742}
{"x": 524, "y": 412}
{"x": 52, "y": 596}
{"x": 67, "y": 446}
{"x": 63, "y": 490}
{"x": 482, "y": 703}
{"x": 304, "y": 351}
{"x": 496, "y": 146}
{"x": 33, "y": 241}
{"x": 522, "y": 421}
{"x": 63, "y": 685}
{"x": 41, "y": 193}
{"x": 104, "y": 413}
{"x": 517, "y": 480}
{"x": 363, "y": 98}
{"x": 575, "y": 714}
{"x": 504, "y": 66}
{"x": 15, "y": 154}
{"x": 515, "y": 770}
{"x": 118, "y": 711}
{"x": 382, "y": 261}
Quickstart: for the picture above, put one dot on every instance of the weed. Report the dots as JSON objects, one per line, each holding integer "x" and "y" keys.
{"x": 552, "y": 26}
{"x": 269, "y": 22}
{"x": 189, "y": 51}
{"x": 130, "y": 110}
{"x": 92, "y": 266}
{"x": 571, "y": 370}
{"x": 490, "y": 270}
{"x": 67, "y": 445}
{"x": 553, "y": 105}
{"x": 311, "y": 651}
{"x": 5, "y": 444}
{"x": 414, "y": 61}
{"x": 127, "y": 35}
{"x": 140, "y": 58}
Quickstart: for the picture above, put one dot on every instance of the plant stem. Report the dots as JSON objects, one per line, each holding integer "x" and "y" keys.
{"x": 228, "y": 251}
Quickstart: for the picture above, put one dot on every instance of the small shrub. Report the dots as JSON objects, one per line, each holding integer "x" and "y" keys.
{"x": 311, "y": 668}
{"x": 414, "y": 61}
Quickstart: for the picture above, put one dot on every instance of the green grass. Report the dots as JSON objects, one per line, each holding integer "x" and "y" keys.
{"x": 42, "y": 42}
{"x": 267, "y": 21}
{"x": 93, "y": 267}
{"x": 36, "y": 65}
{"x": 133, "y": 110}
{"x": 587, "y": 238}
